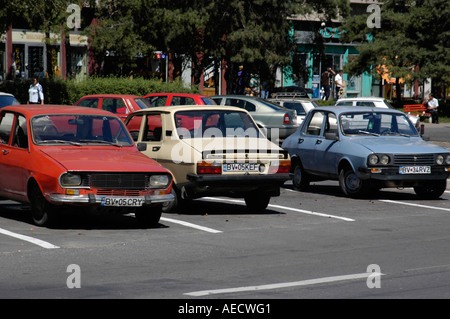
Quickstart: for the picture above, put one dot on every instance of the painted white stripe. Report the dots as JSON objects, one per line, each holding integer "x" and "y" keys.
{"x": 415, "y": 205}
{"x": 284, "y": 208}
{"x": 281, "y": 285}
{"x": 175, "y": 221}
{"x": 28, "y": 239}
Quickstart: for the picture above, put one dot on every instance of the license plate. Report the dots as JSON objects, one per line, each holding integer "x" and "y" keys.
{"x": 241, "y": 167}
{"x": 122, "y": 201}
{"x": 415, "y": 170}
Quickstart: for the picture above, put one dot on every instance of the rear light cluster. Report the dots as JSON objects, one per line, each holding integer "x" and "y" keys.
{"x": 280, "y": 167}
{"x": 209, "y": 168}
{"x": 286, "y": 119}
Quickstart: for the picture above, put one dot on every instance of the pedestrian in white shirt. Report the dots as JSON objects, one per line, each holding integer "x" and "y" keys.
{"x": 433, "y": 104}
{"x": 35, "y": 92}
{"x": 340, "y": 84}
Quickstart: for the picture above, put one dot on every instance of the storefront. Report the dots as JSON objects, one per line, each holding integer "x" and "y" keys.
{"x": 34, "y": 53}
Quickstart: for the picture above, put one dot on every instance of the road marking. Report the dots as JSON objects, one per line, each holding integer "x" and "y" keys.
{"x": 210, "y": 230}
{"x": 284, "y": 208}
{"x": 415, "y": 205}
{"x": 28, "y": 239}
{"x": 282, "y": 285}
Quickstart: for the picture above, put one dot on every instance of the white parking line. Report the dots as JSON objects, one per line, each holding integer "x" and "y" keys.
{"x": 28, "y": 239}
{"x": 281, "y": 285}
{"x": 415, "y": 205}
{"x": 176, "y": 221}
{"x": 284, "y": 208}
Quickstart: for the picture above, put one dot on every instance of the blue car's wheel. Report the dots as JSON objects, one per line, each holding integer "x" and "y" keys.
{"x": 301, "y": 179}
{"x": 351, "y": 185}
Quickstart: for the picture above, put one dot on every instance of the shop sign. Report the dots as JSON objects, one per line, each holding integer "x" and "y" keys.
{"x": 329, "y": 32}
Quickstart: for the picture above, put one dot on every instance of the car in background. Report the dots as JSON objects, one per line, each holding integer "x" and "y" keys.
{"x": 276, "y": 122}
{"x": 120, "y": 104}
{"x": 212, "y": 151}
{"x": 374, "y": 102}
{"x": 171, "y": 99}
{"x": 366, "y": 149}
{"x": 7, "y": 99}
{"x": 58, "y": 156}
{"x": 293, "y": 101}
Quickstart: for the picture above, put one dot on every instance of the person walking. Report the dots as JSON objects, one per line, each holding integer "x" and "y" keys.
{"x": 340, "y": 84}
{"x": 433, "y": 105}
{"x": 35, "y": 92}
{"x": 325, "y": 80}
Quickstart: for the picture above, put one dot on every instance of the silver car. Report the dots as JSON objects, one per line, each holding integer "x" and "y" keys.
{"x": 301, "y": 105}
{"x": 275, "y": 121}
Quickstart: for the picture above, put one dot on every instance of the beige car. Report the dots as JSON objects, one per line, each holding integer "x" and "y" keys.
{"x": 211, "y": 151}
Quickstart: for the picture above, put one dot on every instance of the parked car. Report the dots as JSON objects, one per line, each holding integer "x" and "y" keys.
{"x": 120, "y": 104}
{"x": 63, "y": 155}
{"x": 295, "y": 102}
{"x": 274, "y": 120}
{"x": 171, "y": 99}
{"x": 366, "y": 149}
{"x": 7, "y": 99}
{"x": 212, "y": 151}
{"x": 374, "y": 102}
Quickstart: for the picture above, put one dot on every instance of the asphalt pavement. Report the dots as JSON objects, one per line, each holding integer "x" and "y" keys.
{"x": 437, "y": 134}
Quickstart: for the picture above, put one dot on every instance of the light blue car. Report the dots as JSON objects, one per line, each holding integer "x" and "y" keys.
{"x": 366, "y": 149}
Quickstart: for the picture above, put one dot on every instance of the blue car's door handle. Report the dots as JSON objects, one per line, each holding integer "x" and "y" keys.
{"x": 318, "y": 141}
{"x": 300, "y": 140}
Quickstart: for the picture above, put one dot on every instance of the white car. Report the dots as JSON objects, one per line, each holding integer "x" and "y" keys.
{"x": 7, "y": 99}
{"x": 374, "y": 102}
{"x": 301, "y": 105}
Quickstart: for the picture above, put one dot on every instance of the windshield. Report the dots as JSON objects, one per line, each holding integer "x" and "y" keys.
{"x": 79, "y": 129}
{"x": 215, "y": 123}
{"x": 142, "y": 103}
{"x": 376, "y": 123}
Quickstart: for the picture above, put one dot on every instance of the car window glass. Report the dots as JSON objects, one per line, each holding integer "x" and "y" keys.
{"x": 134, "y": 125}
{"x": 315, "y": 124}
{"x": 376, "y": 124}
{"x": 6, "y": 123}
{"x": 249, "y": 106}
{"x": 89, "y": 103}
{"x": 331, "y": 123}
{"x": 295, "y": 106}
{"x": 153, "y": 128}
{"x": 208, "y": 101}
{"x": 159, "y": 100}
{"x": 142, "y": 103}
{"x": 235, "y": 102}
{"x": 8, "y": 100}
{"x": 114, "y": 105}
{"x": 344, "y": 103}
{"x": 365, "y": 103}
{"x": 182, "y": 100}
{"x": 20, "y": 138}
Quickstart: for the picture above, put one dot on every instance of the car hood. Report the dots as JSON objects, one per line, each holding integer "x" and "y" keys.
{"x": 221, "y": 145}
{"x": 397, "y": 145}
{"x": 103, "y": 159}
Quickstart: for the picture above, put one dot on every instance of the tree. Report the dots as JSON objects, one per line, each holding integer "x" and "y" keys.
{"x": 412, "y": 42}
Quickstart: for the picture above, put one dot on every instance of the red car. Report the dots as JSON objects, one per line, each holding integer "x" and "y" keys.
{"x": 120, "y": 104}
{"x": 53, "y": 155}
{"x": 171, "y": 99}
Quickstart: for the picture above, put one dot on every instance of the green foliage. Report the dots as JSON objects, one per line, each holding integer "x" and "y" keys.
{"x": 67, "y": 92}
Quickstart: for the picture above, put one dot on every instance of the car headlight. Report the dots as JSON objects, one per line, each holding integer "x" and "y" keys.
{"x": 373, "y": 159}
{"x": 159, "y": 181}
{"x": 70, "y": 179}
{"x": 385, "y": 159}
{"x": 447, "y": 159}
{"x": 439, "y": 159}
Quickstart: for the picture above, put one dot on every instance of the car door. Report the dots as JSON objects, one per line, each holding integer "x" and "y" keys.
{"x": 14, "y": 155}
{"x": 116, "y": 106}
{"x": 308, "y": 140}
{"x": 325, "y": 146}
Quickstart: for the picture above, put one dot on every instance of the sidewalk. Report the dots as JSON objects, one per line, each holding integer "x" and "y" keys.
{"x": 437, "y": 134}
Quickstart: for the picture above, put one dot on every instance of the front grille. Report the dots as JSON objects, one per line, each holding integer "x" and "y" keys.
{"x": 425, "y": 159}
{"x": 117, "y": 192}
{"x": 119, "y": 181}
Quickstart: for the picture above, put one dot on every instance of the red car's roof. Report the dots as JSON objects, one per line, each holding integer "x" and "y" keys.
{"x": 110, "y": 95}
{"x": 177, "y": 94}
{"x": 36, "y": 109}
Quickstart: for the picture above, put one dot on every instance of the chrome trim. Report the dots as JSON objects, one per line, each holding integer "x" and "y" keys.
{"x": 97, "y": 199}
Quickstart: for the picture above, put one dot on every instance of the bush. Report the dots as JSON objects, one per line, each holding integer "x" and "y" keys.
{"x": 64, "y": 92}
